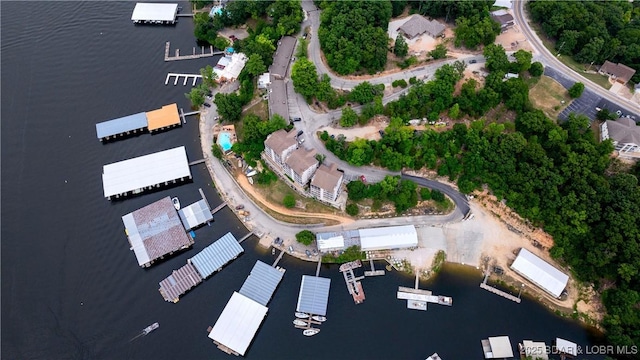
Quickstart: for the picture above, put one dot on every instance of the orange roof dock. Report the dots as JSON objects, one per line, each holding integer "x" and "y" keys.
{"x": 163, "y": 118}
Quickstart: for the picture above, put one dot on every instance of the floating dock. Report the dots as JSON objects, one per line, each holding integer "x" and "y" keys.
{"x": 354, "y": 286}
{"x": 373, "y": 271}
{"x": 154, "y": 120}
{"x": 418, "y": 299}
{"x": 498, "y": 292}
{"x": 177, "y": 56}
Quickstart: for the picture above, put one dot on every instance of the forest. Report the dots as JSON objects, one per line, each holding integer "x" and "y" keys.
{"x": 592, "y": 31}
{"x": 558, "y": 176}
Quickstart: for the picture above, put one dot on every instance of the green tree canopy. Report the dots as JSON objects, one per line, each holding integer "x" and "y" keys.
{"x": 305, "y": 78}
{"x": 255, "y": 66}
{"x": 401, "y": 48}
{"x": 305, "y": 237}
{"x": 576, "y": 90}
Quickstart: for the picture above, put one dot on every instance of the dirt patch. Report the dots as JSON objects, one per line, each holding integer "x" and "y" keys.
{"x": 513, "y": 40}
{"x": 500, "y": 115}
{"x": 549, "y": 96}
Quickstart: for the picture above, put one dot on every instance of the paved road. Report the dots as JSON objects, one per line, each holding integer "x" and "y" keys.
{"x": 461, "y": 201}
{"x": 548, "y": 59}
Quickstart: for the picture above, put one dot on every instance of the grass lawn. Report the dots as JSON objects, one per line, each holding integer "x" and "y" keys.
{"x": 548, "y": 95}
{"x": 275, "y": 193}
{"x": 570, "y": 62}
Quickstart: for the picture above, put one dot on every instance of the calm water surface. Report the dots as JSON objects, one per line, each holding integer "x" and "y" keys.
{"x": 71, "y": 288}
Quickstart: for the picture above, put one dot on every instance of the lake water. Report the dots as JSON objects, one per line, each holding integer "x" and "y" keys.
{"x": 72, "y": 289}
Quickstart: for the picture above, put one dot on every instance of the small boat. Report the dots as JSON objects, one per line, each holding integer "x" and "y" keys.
{"x": 302, "y": 315}
{"x": 150, "y": 328}
{"x": 310, "y": 332}
{"x": 176, "y": 203}
{"x": 299, "y": 322}
{"x": 319, "y": 318}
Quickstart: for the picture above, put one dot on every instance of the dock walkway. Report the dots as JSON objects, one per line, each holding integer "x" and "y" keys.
{"x": 202, "y": 54}
{"x": 245, "y": 237}
{"x": 195, "y": 78}
{"x": 491, "y": 289}
{"x": 218, "y": 208}
{"x": 353, "y": 283}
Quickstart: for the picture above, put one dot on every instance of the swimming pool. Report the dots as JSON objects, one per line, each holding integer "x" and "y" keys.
{"x": 224, "y": 140}
{"x": 215, "y": 10}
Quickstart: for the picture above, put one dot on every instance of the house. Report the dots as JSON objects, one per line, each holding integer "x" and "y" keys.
{"x": 301, "y": 164}
{"x": 625, "y": 135}
{"x": 282, "y": 57}
{"x": 618, "y": 72}
{"x": 418, "y": 25}
{"x": 278, "y": 99}
{"x": 325, "y": 184}
{"x": 264, "y": 81}
{"x": 229, "y": 67}
{"x": 279, "y": 145}
{"x": 503, "y": 18}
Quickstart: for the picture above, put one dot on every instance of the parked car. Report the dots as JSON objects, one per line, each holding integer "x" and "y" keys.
{"x": 473, "y": 61}
{"x": 308, "y": 253}
{"x": 290, "y": 249}
{"x": 300, "y": 133}
{"x": 240, "y": 207}
{"x": 207, "y": 104}
{"x": 304, "y": 36}
{"x": 363, "y": 179}
{"x": 297, "y": 119}
{"x": 381, "y": 132}
{"x": 278, "y": 241}
{"x": 300, "y": 141}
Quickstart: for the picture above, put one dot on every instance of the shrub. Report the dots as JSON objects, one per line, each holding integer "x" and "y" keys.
{"x": 324, "y": 136}
{"x": 305, "y": 237}
{"x": 425, "y": 194}
{"x": 576, "y": 90}
{"x": 289, "y": 201}
{"x": 352, "y": 209}
{"x": 401, "y": 83}
{"x": 437, "y": 196}
{"x": 413, "y": 80}
{"x": 536, "y": 69}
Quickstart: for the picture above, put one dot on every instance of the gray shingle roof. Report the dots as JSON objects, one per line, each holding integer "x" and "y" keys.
{"x": 418, "y": 25}
{"x": 624, "y": 131}
{"x": 278, "y": 99}
{"x": 301, "y": 159}
{"x": 282, "y": 56}
{"x": 620, "y": 71}
{"x": 261, "y": 283}
{"x": 281, "y": 140}
{"x": 327, "y": 177}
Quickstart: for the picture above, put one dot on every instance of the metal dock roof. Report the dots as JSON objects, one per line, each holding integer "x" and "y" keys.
{"x": 390, "y": 237}
{"x": 154, "y": 12}
{"x": 238, "y": 323}
{"x": 215, "y": 256}
{"x": 261, "y": 283}
{"x": 179, "y": 282}
{"x": 134, "y": 175}
{"x": 121, "y": 125}
{"x": 195, "y": 214}
{"x": 540, "y": 272}
{"x": 314, "y": 295}
{"x": 155, "y": 230}
{"x": 164, "y": 117}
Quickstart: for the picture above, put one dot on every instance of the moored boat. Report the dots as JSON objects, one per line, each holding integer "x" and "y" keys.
{"x": 310, "y": 332}
{"x": 302, "y": 315}
{"x": 299, "y": 322}
{"x": 176, "y": 203}
{"x": 319, "y": 318}
{"x": 150, "y": 328}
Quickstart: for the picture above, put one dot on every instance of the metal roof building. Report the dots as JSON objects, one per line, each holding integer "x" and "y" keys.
{"x": 314, "y": 295}
{"x": 155, "y": 231}
{"x": 179, "y": 282}
{"x": 566, "y": 347}
{"x": 120, "y": 126}
{"x": 215, "y": 256}
{"x": 165, "y": 117}
{"x": 329, "y": 242}
{"x": 535, "y": 349}
{"x": 261, "y": 283}
{"x": 238, "y": 324}
{"x": 195, "y": 214}
{"x": 540, "y": 272}
{"x": 391, "y": 237}
{"x": 145, "y": 172}
{"x": 154, "y": 13}
{"x": 497, "y": 347}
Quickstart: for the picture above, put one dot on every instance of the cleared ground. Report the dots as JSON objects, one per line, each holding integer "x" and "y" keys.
{"x": 549, "y": 96}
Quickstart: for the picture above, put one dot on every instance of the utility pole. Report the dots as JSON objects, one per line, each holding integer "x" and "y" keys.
{"x": 560, "y": 48}
{"x": 520, "y": 292}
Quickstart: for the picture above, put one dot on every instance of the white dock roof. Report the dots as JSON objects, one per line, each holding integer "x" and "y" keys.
{"x": 535, "y": 349}
{"x": 195, "y": 214}
{"x": 500, "y": 348}
{"x": 238, "y": 323}
{"x": 330, "y": 243}
{"x": 314, "y": 295}
{"x": 391, "y": 237}
{"x": 154, "y": 12}
{"x": 540, "y": 272}
{"x": 145, "y": 171}
{"x": 566, "y": 346}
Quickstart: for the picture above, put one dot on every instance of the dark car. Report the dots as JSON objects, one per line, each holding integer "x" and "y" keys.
{"x": 304, "y": 36}
{"x": 207, "y": 104}
{"x": 300, "y": 133}
{"x": 278, "y": 241}
{"x": 240, "y": 207}
{"x": 473, "y": 61}
{"x": 297, "y": 119}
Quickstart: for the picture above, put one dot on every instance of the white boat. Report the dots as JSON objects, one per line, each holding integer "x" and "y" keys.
{"x": 150, "y": 328}
{"x": 319, "y": 318}
{"x": 310, "y": 332}
{"x": 299, "y": 322}
{"x": 176, "y": 203}
{"x": 302, "y": 315}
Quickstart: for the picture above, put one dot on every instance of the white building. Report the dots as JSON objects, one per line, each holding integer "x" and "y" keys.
{"x": 388, "y": 238}
{"x": 625, "y": 135}
{"x": 229, "y": 67}
{"x": 497, "y": 347}
{"x": 279, "y": 145}
{"x": 326, "y": 182}
{"x": 540, "y": 272}
{"x": 264, "y": 81}
{"x": 154, "y": 13}
{"x": 301, "y": 164}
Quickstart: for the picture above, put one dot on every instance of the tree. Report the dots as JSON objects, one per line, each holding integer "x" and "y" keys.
{"x": 496, "y": 58}
{"x": 229, "y": 106}
{"x": 476, "y": 30}
{"x": 576, "y": 90}
{"x": 365, "y": 92}
{"x": 305, "y": 78}
{"x": 437, "y": 196}
{"x": 401, "y": 48}
{"x": 221, "y": 43}
{"x": 305, "y": 237}
{"x": 216, "y": 151}
{"x": 289, "y": 201}
{"x": 440, "y": 52}
{"x": 209, "y": 77}
{"x": 352, "y": 209}
{"x": 196, "y": 96}
{"x": 536, "y": 69}
{"x": 425, "y": 193}
{"x": 255, "y": 66}
{"x": 523, "y": 61}
{"x": 348, "y": 118}
{"x": 454, "y": 112}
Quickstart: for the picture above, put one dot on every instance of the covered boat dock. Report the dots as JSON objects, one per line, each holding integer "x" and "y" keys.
{"x": 163, "y": 118}
{"x": 145, "y": 172}
{"x": 262, "y": 282}
{"x": 314, "y": 295}
{"x": 195, "y": 214}
{"x": 155, "y": 231}
{"x": 179, "y": 282}
{"x": 154, "y": 13}
{"x": 126, "y": 125}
